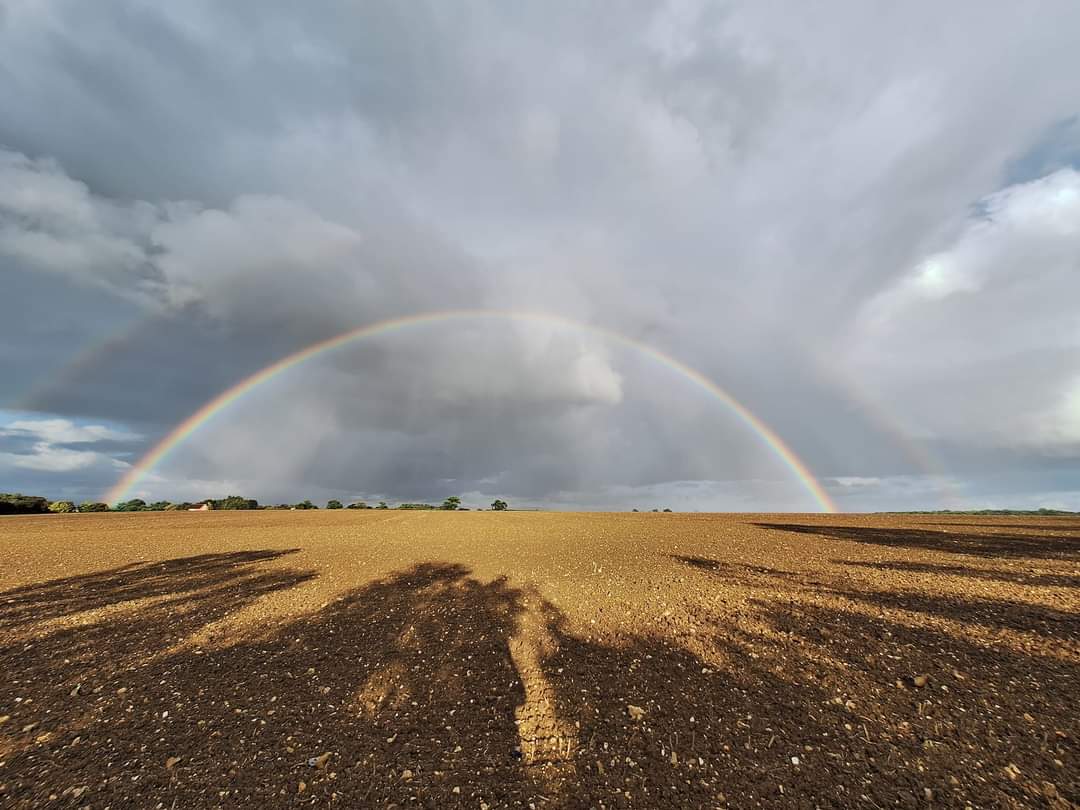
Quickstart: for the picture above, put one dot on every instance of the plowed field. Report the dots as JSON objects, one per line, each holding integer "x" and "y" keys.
{"x": 487, "y": 660}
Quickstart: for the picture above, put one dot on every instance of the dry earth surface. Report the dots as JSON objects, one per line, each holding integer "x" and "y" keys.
{"x": 488, "y": 660}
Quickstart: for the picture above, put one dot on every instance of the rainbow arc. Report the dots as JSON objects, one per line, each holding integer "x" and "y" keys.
{"x": 178, "y": 435}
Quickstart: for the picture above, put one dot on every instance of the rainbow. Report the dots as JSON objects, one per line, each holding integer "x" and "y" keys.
{"x": 178, "y": 435}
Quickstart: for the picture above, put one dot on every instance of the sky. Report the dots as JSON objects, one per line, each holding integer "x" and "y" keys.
{"x": 858, "y": 220}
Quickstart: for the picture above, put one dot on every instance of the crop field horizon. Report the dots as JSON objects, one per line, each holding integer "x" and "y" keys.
{"x": 537, "y": 659}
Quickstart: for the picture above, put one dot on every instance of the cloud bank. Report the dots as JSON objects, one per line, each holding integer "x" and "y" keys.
{"x": 862, "y": 221}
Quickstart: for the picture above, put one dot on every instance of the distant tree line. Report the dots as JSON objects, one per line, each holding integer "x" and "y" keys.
{"x": 230, "y": 502}
{"x": 1031, "y": 512}
{"x": 15, "y": 503}
{"x": 19, "y": 504}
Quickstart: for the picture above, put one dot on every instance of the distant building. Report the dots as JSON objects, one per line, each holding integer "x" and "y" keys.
{"x": 206, "y": 507}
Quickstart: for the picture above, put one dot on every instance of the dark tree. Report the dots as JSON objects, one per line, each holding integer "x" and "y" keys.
{"x": 18, "y": 504}
{"x": 498, "y": 505}
{"x": 333, "y": 504}
{"x": 235, "y": 502}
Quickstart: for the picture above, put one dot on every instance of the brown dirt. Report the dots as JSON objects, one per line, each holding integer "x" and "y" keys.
{"x": 488, "y": 660}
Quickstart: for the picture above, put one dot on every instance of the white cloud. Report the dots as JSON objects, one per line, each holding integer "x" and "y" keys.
{"x": 167, "y": 254}
{"x": 897, "y": 492}
{"x": 45, "y": 457}
{"x": 51, "y": 222}
{"x": 846, "y": 482}
{"x": 46, "y": 453}
{"x": 1063, "y": 425}
{"x": 64, "y": 431}
{"x": 980, "y": 341}
{"x": 1026, "y": 235}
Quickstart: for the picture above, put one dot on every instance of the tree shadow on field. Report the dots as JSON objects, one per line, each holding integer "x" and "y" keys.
{"x": 1035, "y": 579}
{"x": 985, "y": 706}
{"x": 732, "y": 571}
{"x": 170, "y": 578}
{"x": 399, "y": 682}
{"x": 56, "y": 635}
{"x": 399, "y": 691}
{"x": 1052, "y": 524}
{"x": 710, "y": 736}
{"x": 1017, "y": 546}
{"x": 409, "y": 686}
{"x": 991, "y": 613}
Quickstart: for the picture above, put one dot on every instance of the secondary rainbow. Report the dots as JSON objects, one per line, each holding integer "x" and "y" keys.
{"x": 120, "y": 491}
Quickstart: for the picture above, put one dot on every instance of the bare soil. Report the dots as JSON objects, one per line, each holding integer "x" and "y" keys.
{"x": 487, "y": 660}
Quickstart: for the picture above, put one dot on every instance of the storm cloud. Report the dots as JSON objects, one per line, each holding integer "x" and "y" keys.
{"x": 862, "y": 220}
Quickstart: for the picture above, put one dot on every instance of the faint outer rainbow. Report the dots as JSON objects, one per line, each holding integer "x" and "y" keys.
{"x": 120, "y": 491}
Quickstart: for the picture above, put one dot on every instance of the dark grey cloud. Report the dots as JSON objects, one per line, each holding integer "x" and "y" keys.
{"x": 861, "y": 221}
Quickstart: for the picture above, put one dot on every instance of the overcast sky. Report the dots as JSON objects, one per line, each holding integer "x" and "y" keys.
{"x": 860, "y": 219}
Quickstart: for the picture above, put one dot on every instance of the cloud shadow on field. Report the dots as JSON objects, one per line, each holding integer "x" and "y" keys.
{"x": 1017, "y": 546}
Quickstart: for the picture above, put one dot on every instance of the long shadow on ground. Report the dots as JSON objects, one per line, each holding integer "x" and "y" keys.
{"x": 1051, "y": 524}
{"x": 400, "y": 691}
{"x": 127, "y": 583}
{"x": 1030, "y": 578}
{"x": 394, "y": 681}
{"x": 985, "y": 707}
{"x": 995, "y": 545}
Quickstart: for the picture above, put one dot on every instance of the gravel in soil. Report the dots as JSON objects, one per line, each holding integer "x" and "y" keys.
{"x": 538, "y": 660}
